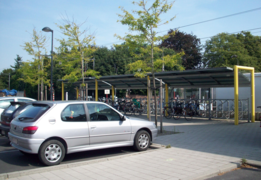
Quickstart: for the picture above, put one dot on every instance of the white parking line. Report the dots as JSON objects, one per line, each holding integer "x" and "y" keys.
{"x": 7, "y": 151}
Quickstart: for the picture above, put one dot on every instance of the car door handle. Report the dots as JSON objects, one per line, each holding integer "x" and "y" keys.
{"x": 93, "y": 127}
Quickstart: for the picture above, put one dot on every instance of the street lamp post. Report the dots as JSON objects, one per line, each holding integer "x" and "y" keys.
{"x": 47, "y": 29}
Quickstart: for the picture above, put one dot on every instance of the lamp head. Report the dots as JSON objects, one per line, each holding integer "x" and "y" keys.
{"x": 47, "y": 29}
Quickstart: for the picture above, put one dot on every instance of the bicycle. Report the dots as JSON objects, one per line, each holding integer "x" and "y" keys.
{"x": 189, "y": 111}
{"x": 178, "y": 111}
{"x": 168, "y": 112}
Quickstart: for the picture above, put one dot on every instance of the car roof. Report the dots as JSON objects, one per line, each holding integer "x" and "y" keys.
{"x": 12, "y": 97}
{"x": 65, "y": 102}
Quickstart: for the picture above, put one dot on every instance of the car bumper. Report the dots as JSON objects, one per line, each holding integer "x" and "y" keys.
{"x": 4, "y": 130}
{"x": 24, "y": 144}
{"x": 154, "y": 134}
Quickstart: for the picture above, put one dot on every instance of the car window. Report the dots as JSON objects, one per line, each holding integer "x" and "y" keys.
{"x": 101, "y": 112}
{"x": 74, "y": 112}
{"x": 32, "y": 112}
{"x": 11, "y": 108}
{"x": 5, "y": 103}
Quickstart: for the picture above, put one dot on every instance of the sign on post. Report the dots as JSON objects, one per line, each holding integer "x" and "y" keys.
{"x": 66, "y": 96}
{"x": 106, "y": 91}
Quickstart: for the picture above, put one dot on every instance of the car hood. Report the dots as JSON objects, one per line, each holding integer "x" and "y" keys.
{"x": 137, "y": 119}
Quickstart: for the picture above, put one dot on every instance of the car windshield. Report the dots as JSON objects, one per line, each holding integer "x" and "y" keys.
{"x": 32, "y": 112}
{"x": 11, "y": 108}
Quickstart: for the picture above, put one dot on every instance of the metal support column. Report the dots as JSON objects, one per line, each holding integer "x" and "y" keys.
{"x": 236, "y": 68}
{"x": 253, "y": 94}
{"x": 160, "y": 106}
{"x": 148, "y": 98}
{"x": 77, "y": 93}
{"x": 62, "y": 91}
{"x": 86, "y": 91}
{"x": 96, "y": 90}
{"x": 112, "y": 93}
{"x": 166, "y": 95}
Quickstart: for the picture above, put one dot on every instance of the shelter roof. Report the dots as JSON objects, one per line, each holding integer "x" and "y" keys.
{"x": 197, "y": 78}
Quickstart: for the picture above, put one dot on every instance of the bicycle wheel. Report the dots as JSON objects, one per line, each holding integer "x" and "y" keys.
{"x": 188, "y": 115}
{"x": 136, "y": 112}
{"x": 176, "y": 115}
{"x": 167, "y": 113}
{"x": 127, "y": 112}
{"x": 214, "y": 114}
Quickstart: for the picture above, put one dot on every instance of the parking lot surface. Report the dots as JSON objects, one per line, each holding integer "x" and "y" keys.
{"x": 198, "y": 149}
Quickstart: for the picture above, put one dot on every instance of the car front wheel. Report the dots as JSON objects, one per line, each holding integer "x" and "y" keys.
{"x": 52, "y": 152}
{"x": 142, "y": 140}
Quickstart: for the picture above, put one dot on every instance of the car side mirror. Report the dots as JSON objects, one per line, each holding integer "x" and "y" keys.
{"x": 123, "y": 118}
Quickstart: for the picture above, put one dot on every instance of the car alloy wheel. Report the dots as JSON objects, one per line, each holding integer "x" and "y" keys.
{"x": 142, "y": 140}
{"x": 53, "y": 153}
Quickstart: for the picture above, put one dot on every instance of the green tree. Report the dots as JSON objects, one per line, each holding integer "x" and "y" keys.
{"x": 16, "y": 83}
{"x": 4, "y": 78}
{"x": 33, "y": 72}
{"x": 253, "y": 46}
{"x": 188, "y": 43}
{"x": 145, "y": 37}
{"x": 227, "y": 50}
{"x": 75, "y": 51}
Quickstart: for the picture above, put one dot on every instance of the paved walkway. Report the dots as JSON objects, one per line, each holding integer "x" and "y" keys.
{"x": 202, "y": 149}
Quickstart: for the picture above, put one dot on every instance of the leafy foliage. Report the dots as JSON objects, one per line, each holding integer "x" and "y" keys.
{"x": 33, "y": 72}
{"x": 231, "y": 49}
{"x": 143, "y": 24}
{"x": 145, "y": 38}
{"x": 75, "y": 51}
{"x": 190, "y": 44}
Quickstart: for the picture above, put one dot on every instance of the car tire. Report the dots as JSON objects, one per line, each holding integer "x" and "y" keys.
{"x": 142, "y": 141}
{"x": 51, "y": 152}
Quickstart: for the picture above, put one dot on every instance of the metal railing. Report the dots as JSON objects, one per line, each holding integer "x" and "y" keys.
{"x": 209, "y": 108}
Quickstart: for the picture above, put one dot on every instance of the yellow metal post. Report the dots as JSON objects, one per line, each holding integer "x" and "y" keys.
{"x": 77, "y": 93}
{"x": 253, "y": 94}
{"x": 96, "y": 90}
{"x": 236, "y": 94}
{"x": 112, "y": 92}
{"x": 236, "y": 68}
{"x": 62, "y": 91}
{"x": 166, "y": 95}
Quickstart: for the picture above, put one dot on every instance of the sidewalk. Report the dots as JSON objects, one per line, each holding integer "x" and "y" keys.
{"x": 202, "y": 149}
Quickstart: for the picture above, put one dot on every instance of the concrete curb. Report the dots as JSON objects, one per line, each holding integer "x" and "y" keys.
{"x": 254, "y": 163}
{"x": 215, "y": 172}
{"x": 5, "y": 176}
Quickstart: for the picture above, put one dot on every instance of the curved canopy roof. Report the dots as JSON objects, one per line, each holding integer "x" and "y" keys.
{"x": 197, "y": 78}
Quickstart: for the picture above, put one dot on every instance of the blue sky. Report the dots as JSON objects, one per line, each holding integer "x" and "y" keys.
{"x": 18, "y": 18}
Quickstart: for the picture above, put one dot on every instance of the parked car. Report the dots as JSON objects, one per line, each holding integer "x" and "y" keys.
{"x": 9, "y": 114}
{"x": 5, "y": 102}
{"x": 53, "y": 129}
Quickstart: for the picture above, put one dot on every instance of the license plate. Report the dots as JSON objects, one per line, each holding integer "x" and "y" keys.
{"x": 3, "y": 132}
{"x": 14, "y": 140}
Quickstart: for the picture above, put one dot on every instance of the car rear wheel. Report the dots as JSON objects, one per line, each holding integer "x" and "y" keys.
{"x": 142, "y": 140}
{"x": 51, "y": 152}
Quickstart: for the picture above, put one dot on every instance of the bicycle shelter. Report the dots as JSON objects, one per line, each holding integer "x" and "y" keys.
{"x": 197, "y": 78}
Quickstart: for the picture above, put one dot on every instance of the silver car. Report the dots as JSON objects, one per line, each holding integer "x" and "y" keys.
{"x": 53, "y": 129}
{"x": 5, "y": 103}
